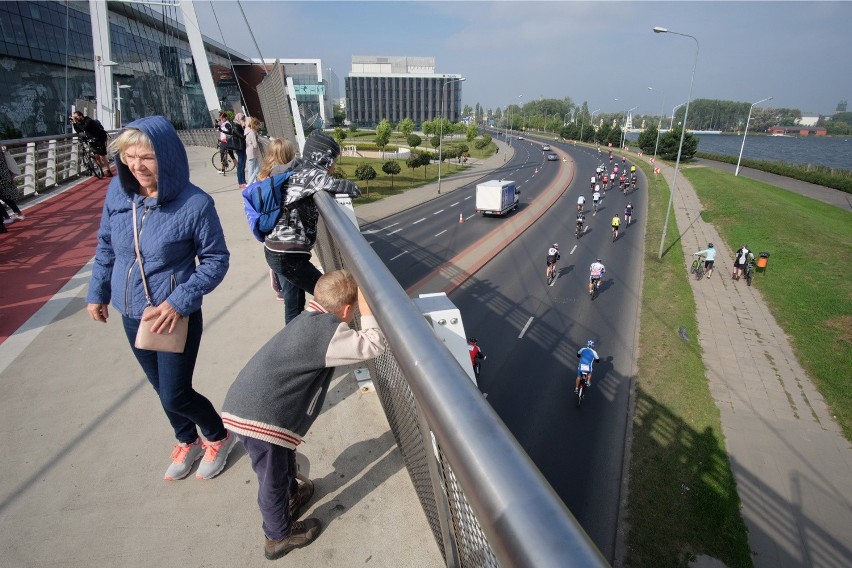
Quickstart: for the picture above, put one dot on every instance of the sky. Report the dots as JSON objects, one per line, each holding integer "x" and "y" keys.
{"x": 799, "y": 53}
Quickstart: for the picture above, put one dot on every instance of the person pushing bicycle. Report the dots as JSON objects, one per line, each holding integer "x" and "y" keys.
{"x": 709, "y": 255}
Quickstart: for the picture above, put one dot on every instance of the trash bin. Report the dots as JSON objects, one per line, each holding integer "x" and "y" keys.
{"x": 762, "y": 260}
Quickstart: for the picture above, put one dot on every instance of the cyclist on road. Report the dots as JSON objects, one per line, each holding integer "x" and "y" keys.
{"x": 594, "y": 181}
{"x": 710, "y": 255}
{"x": 628, "y": 212}
{"x": 476, "y": 355}
{"x": 580, "y": 202}
{"x": 596, "y": 198}
{"x": 596, "y": 271}
{"x": 615, "y": 223}
{"x": 552, "y": 257}
{"x": 632, "y": 169}
{"x": 588, "y": 357}
{"x": 581, "y": 219}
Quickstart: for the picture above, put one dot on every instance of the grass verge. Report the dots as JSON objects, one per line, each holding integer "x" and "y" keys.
{"x": 383, "y": 185}
{"x": 820, "y": 175}
{"x": 683, "y": 499}
{"x": 805, "y": 284}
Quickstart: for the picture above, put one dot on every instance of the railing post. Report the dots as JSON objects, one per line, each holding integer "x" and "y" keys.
{"x": 30, "y": 179}
{"x": 50, "y": 167}
{"x": 74, "y": 158}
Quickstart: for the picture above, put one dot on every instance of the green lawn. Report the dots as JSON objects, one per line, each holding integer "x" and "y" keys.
{"x": 383, "y": 186}
{"x": 805, "y": 284}
{"x": 682, "y": 499}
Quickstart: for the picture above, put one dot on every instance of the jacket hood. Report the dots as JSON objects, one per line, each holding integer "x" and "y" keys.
{"x": 321, "y": 149}
{"x": 172, "y": 163}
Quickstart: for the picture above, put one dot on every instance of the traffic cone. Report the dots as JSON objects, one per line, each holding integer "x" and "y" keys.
{"x": 461, "y": 218}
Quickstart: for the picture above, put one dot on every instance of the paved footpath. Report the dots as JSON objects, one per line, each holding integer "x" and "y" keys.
{"x": 792, "y": 465}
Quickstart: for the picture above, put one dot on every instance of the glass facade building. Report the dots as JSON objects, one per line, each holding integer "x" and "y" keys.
{"x": 47, "y": 58}
{"x": 396, "y": 88}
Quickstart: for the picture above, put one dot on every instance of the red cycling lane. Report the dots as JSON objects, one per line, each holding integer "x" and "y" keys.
{"x": 40, "y": 254}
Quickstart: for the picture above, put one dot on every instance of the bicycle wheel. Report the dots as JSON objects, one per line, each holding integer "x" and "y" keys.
{"x": 96, "y": 169}
{"x": 695, "y": 265}
{"x": 217, "y": 161}
{"x": 580, "y": 394}
{"x": 748, "y": 276}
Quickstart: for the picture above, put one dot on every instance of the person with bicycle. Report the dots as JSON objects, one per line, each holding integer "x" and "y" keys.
{"x": 741, "y": 258}
{"x": 581, "y": 220}
{"x": 594, "y": 181}
{"x": 225, "y": 129}
{"x": 476, "y": 355}
{"x": 709, "y": 255}
{"x": 552, "y": 257}
{"x": 596, "y": 271}
{"x": 588, "y": 357}
{"x": 92, "y": 132}
{"x": 633, "y": 180}
{"x": 580, "y": 202}
{"x": 628, "y": 212}
{"x": 616, "y": 221}
{"x": 632, "y": 169}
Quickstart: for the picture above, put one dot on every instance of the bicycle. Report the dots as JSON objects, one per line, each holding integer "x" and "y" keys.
{"x": 596, "y": 284}
{"x": 229, "y": 163}
{"x": 698, "y": 267}
{"x": 90, "y": 161}
{"x": 595, "y": 212}
{"x": 551, "y": 273}
{"x": 748, "y": 270}
{"x": 581, "y": 228}
{"x": 581, "y": 390}
{"x": 614, "y": 233}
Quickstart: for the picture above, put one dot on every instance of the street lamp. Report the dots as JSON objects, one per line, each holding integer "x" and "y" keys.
{"x": 659, "y": 125}
{"x": 671, "y": 122}
{"x": 118, "y": 87}
{"x": 737, "y": 171}
{"x": 583, "y": 123}
{"x": 624, "y": 130}
{"x": 659, "y": 30}
{"x": 441, "y": 135}
{"x": 523, "y": 113}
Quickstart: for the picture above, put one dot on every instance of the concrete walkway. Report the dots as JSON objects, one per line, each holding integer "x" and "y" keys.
{"x": 792, "y": 465}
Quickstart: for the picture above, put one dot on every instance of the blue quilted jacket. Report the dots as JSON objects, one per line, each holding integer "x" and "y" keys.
{"x": 176, "y": 228}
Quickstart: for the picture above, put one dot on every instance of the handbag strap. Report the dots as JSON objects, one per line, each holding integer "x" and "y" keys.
{"x": 139, "y": 257}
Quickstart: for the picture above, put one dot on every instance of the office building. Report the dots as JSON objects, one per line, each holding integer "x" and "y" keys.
{"x": 402, "y": 87}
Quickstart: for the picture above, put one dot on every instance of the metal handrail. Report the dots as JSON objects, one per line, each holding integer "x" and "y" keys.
{"x": 523, "y": 518}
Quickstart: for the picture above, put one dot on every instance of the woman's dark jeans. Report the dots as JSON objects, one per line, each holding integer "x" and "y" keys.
{"x": 241, "y": 166}
{"x": 171, "y": 376}
{"x": 301, "y": 275}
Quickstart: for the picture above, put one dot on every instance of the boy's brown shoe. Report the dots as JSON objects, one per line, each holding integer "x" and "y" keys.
{"x": 303, "y": 533}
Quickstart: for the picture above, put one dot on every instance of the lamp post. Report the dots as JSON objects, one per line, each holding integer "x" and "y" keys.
{"x": 441, "y": 135}
{"x": 737, "y": 171}
{"x": 671, "y": 122}
{"x": 583, "y": 123}
{"x": 624, "y": 130}
{"x": 523, "y": 113}
{"x": 659, "y": 125}
{"x": 118, "y": 87}
{"x": 659, "y": 30}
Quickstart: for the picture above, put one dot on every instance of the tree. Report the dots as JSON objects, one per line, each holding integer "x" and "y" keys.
{"x": 472, "y": 132}
{"x": 670, "y": 141}
{"x": 339, "y": 115}
{"x": 614, "y": 137}
{"x": 467, "y": 110}
{"x": 435, "y": 141}
{"x": 406, "y": 126}
{"x": 414, "y": 140}
{"x": 383, "y": 134}
{"x": 429, "y": 127}
{"x": 339, "y": 134}
{"x": 418, "y": 159}
{"x": 602, "y": 133}
{"x": 365, "y": 172}
{"x": 353, "y": 127}
{"x": 391, "y": 168}
{"x": 648, "y": 139}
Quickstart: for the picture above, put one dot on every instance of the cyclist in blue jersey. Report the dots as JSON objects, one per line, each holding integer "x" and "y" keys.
{"x": 588, "y": 357}
{"x": 710, "y": 255}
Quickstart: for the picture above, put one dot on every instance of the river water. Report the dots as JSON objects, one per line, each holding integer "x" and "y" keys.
{"x": 833, "y": 152}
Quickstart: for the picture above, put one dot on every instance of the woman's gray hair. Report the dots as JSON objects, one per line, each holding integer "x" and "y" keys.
{"x": 130, "y": 137}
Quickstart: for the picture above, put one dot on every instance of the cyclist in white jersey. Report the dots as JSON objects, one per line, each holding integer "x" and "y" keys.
{"x": 580, "y": 202}
{"x": 596, "y": 271}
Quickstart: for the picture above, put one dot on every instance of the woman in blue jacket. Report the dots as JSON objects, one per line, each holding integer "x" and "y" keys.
{"x": 184, "y": 257}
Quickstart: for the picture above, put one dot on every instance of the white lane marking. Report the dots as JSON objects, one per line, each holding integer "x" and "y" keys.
{"x": 419, "y": 220}
{"x": 398, "y": 230}
{"x": 441, "y": 233}
{"x": 468, "y": 197}
{"x": 523, "y": 331}
{"x": 399, "y": 255}
{"x": 438, "y": 211}
{"x": 454, "y": 204}
{"x": 555, "y": 279}
{"x": 469, "y": 216}
{"x": 389, "y": 226}
{"x": 573, "y": 249}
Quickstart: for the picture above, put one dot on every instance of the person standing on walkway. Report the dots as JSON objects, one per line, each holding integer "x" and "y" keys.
{"x": 280, "y": 392}
{"x": 252, "y": 150}
{"x": 184, "y": 257}
{"x": 288, "y": 247}
{"x": 8, "y": 172}
{"x": 709, "y": 255}
{"x": 238, "y": 144}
